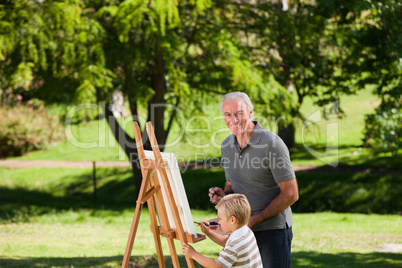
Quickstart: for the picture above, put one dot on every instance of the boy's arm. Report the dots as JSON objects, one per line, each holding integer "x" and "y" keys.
{"x": 190, "y": 252}
{"x": 217, "y": 238}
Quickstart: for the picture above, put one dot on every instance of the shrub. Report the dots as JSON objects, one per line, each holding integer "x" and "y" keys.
{"x": 349, "y": 191}
{"x": 384, "y": 127}
{"x": 25, "y": 128}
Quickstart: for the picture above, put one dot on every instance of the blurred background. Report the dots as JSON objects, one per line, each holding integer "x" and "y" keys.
{"x": 325, "y": 75}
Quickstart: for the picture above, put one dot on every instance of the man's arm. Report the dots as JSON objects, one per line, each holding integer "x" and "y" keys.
{"x": 289, "y": 194}
{"x": 228, "y": 188}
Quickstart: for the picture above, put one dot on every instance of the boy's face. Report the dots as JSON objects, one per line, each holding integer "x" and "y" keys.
{"x": 225, "y": 223}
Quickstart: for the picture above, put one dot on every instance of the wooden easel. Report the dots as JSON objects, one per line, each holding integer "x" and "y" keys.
{"x": 150, "y": 192}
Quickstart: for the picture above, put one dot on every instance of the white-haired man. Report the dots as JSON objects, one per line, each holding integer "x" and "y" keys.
{"x": 257, "y": 164}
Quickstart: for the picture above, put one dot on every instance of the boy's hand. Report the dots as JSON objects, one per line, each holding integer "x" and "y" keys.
{"x": 188, "y": 250}
{"x": 215, "y": 194}
{"x": 204, "y": 228}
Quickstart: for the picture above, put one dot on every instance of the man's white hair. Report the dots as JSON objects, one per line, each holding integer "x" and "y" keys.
{"x": 237, "y": 96}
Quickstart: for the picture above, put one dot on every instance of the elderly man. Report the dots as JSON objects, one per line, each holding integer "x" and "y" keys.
{"x": 257, "y": 164}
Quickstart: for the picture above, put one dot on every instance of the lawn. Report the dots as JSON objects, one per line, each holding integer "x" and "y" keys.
{"x": 85, "y": 238}
{"x": 49, "y": 217}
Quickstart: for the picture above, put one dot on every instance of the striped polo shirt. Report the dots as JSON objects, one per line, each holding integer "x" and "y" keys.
{"x": 241, "y": 250}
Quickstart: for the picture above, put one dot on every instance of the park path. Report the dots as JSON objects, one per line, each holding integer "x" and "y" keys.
{"x": 87, "y": 164}
{"x": 191, "y": 165}
{"x": 51, "y": 163}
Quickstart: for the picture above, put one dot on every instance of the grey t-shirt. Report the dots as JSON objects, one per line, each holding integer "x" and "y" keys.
{"x": 255, "y": 171}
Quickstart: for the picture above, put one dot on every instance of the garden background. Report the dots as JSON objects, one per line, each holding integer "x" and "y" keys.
{"x": 324, "y": 75}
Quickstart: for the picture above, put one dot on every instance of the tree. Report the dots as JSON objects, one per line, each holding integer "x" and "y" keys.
{"x": 298, "y": 47}
{"x": 174, "y": 53}
{"x": 44, "y": 46}
{"x": 381, "y": 33}
{"x": 318, "y": 49}
{"x": 159, "y": 53}
{"x": 371, "y": 36}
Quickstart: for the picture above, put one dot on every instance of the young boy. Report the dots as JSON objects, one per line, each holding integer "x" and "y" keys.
{"x": 240, "y": 247}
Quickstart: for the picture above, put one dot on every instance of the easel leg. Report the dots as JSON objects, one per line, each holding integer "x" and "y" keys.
{"x": 173, "y": 253}
{"x": 148, "y": 167}
{"x": 133, "y": 231}
{"x": 155, "y": 231}
{"x": 190, "y": 262}
{"x": 136, "y": 219}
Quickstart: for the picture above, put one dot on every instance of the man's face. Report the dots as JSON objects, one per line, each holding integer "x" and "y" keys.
{"x": 236, "y": 115}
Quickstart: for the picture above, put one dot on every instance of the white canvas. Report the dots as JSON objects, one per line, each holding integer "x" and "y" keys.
{"x": 179, "y": 193}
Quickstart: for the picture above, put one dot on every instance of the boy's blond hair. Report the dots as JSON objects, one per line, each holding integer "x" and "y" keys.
{"x": 235, "y": 205}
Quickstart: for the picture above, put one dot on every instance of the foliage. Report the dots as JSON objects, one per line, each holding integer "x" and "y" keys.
{"x": 25, "y": 128}
{"x": 160, "y": 54}
{"x": 384, "y": 127}
{"x": 181, "y": 55}
{"x": 48, "y": 49}
{"x": 376, "y": 45}
{"x": 356, "y": 192}
{"x": 321, "y": 49}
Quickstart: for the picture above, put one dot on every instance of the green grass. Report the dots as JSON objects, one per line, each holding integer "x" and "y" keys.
{"x": 83, "y": 239}
{"x": 49, "y": 218}
{"x": 350, "y": 124}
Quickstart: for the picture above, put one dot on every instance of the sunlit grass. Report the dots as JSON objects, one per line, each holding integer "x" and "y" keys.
{"x": 63, "y": 238}
{"x": 49, "y": 218}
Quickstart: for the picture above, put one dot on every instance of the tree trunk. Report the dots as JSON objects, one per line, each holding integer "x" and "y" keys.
{"x": 128, "y": 145}
{"x": 287, "y": 131}
{"x": 157, "y": 106}
{"x": 156, "y": 110}
{"x": 287, "y": 134}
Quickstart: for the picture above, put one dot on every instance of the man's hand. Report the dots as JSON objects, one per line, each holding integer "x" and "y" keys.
{"x": 288, "y": 195}
{"x": 251, "y": 222}
{"x": 215, "y": 194}
{"x": 188, "y": 250}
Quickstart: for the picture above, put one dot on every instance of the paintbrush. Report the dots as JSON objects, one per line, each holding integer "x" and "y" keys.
{"x": 206, "y": 224}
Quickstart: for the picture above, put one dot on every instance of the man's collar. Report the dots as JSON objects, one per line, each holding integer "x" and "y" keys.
{"x": 257, "y": 133}
{"x": 255, "y": 137}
